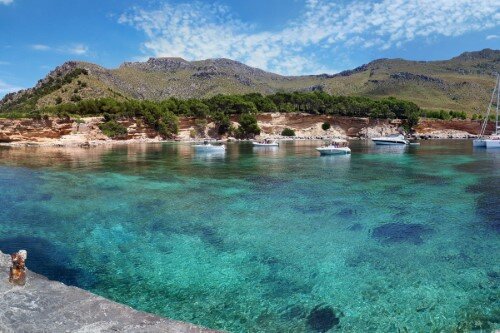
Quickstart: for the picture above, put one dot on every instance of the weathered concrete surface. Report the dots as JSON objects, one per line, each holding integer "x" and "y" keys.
{"x": 48, "y": 306}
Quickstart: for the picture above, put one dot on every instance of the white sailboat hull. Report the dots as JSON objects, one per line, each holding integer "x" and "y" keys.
{"x": 492, "y": 144}
{"x": 479, "y": 143}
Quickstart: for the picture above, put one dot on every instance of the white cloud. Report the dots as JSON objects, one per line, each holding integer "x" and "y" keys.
{"x": 489, "y": 37}
{"x": 6, "y": 88}
{"x": 199, "y": 31}
{"x": 76, "y": 48}
{"x": 6, "y": 2}
{"x": 40, "y": 47}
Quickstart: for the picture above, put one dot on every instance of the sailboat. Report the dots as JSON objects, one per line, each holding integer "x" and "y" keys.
{"x": 494, "y": 140}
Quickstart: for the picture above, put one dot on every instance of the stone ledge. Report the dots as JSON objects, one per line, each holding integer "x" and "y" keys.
{"x": 43, "y": 305}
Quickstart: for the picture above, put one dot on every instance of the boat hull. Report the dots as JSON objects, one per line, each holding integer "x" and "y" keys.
{"x": 334, "y": 151}
{"x": 256, "y": 144}
{"x": 479, "y": 143}
{"x": 389, "y": 142}
{"x": 204, "y": 148}
{"x": 492, "y": 144}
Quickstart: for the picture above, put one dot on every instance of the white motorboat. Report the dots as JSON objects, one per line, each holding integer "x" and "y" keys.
{"x": 335, "y": 147}
{"x": 208, "y": 147}
{"x": 266, "y": 143}
{"x": 393, "y": 139}
{"x": 494, "y": 140}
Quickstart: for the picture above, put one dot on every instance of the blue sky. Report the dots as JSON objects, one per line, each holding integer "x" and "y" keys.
{"x": 288, "y": 37}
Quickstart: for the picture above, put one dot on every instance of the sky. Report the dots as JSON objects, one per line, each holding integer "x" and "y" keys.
{"x": 289, "y": 37}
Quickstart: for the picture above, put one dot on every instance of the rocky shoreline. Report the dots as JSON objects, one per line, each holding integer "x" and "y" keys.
{"x": 42, "y": 305}
{"x": 85, "y": 132}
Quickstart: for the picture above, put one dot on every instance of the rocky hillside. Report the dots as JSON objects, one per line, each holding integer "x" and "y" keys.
{"x": 462, "y": 83}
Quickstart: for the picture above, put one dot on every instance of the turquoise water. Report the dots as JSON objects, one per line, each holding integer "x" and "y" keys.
{"x": 269, "y": 240}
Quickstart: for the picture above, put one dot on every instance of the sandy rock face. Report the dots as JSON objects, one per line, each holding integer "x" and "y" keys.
{"x": 86, "y": 132}
{"x": 12, "y": 130}
{"x": 310, "y": 126}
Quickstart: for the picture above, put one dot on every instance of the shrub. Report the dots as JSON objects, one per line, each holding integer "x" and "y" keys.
{"x": 222, "y": 122}
{"x": 326, "y": 126}
{"x": 75, "y": 98}
{"x": 248, "y": 126}
{"x": 288, "y": 132}
{"x": 113, "y": 129}
{"x": 58, "y": 100}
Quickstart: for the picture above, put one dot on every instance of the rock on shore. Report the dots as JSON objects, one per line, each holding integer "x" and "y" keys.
{"x": 48, "y": 306}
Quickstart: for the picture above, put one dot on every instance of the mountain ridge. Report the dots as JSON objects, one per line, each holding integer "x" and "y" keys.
{"x": 462, "y": 83}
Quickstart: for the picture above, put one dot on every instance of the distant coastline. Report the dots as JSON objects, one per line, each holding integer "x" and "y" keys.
{"x": 85, "y": 132}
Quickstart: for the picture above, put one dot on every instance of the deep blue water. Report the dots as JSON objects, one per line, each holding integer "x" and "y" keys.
{"x": 267, "y": 240}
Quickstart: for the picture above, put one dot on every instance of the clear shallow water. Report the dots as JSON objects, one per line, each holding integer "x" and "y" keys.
{"x": 268, "y": 240}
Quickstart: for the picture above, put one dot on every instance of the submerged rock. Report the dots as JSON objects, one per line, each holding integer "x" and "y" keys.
{"x": 356, "y": 227}
{"x": 346, "y": 212}
{"x": 322, "y": 319}
{"x": 401, "y": 233}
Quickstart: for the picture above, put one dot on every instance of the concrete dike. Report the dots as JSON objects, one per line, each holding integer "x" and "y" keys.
{"x": 42, "y": 305}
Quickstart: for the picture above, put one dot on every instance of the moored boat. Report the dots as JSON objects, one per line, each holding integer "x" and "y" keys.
{"x": 393, "y": 139}
{"x": 335, "y": 147}
{"x": 208, "y": 147}
{"x": 494, "y": 140}
{"x": 266, "y": 143}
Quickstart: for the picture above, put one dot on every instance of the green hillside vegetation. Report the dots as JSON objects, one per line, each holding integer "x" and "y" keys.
{"x": 163, "y": 115}
{"x": 460, "y": 84}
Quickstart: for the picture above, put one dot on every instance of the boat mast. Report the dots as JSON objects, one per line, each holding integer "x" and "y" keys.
{"x": 485, "y": 122}
{"x": 498, "y": 100}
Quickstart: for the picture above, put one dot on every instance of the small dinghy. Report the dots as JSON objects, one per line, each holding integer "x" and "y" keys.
{"x": 208, "y": 147}
{"x": 335, "y": 147}
{"x": 265, "y": 143}
{"x": 393, "y": 139}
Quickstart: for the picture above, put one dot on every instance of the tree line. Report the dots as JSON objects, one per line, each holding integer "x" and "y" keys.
{"x": 163, "y": 115}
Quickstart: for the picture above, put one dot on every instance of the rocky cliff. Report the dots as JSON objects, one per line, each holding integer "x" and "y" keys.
{"x": 85, "y": 132}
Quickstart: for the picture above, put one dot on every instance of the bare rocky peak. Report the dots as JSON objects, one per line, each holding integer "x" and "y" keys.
{"x": 164, "y": 64}
{"x": 201, "y": 68}
{"x": 487, "y": 54}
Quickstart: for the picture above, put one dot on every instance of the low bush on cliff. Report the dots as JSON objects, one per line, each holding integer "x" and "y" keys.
{"x": 443, "y": 115}
{"x": 288, "y": 132}
{"x": 113, "y": 129}
{"x": 248, "y": 126}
